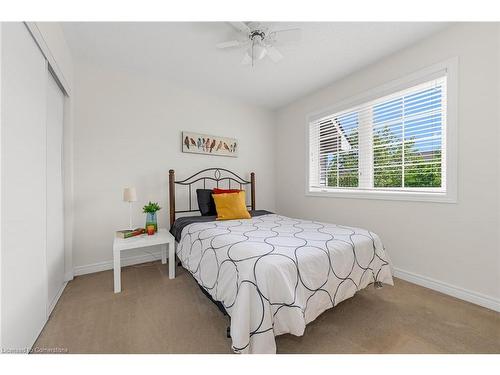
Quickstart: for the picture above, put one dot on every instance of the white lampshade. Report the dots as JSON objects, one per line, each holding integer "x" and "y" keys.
{"x": 129, "y": 194}
{"x": 259, "y": 51}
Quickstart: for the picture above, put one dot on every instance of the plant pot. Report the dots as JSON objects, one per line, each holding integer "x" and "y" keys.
{"x": 151, "y": 220}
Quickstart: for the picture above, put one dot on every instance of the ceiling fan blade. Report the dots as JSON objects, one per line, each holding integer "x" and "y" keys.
{"x": 274, "y": 54}
{"x": 287, "y": 35}
{"x": 240, "y": 26}
{"x": 229, "y": 44}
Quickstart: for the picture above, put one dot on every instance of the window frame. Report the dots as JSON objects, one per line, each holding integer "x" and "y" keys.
{"x": 449, "y": 195}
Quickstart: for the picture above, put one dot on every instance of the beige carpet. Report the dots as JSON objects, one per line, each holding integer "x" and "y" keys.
{"x": 153, "y": 314}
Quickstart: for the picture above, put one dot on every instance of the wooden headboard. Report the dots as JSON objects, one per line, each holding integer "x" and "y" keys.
{"x": 215, "y": 176}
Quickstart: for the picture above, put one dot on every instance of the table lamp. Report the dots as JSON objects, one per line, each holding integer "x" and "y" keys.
{"x": 130, "y": 195}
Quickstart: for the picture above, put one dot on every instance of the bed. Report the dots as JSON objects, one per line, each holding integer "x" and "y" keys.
{"x": 272, "y": 274}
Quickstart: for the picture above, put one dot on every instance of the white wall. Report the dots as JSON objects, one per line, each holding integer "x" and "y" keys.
{"x": 456, "y": 246}
{"x": 128, "y": 133}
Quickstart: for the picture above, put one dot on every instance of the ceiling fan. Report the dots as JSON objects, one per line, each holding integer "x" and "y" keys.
{"x": 260, "y": 40}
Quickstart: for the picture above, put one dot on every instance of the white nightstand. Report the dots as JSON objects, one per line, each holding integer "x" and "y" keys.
{"x": 163, "y": 238}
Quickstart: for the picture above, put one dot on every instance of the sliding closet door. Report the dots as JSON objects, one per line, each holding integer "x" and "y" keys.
{"x": 55, "y": 209}
{"x": 24, "y": 269}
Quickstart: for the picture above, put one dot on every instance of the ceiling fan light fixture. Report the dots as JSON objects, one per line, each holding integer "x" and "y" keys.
{"x": 260, "y": 40}
{"x": 259, "y": 51}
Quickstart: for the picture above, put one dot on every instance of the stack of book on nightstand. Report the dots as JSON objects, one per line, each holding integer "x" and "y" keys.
{"x": 130, "y": 232}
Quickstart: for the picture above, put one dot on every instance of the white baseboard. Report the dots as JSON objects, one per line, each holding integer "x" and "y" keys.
{"x": 54, "y": 302}
{"x": 69, "y": 275}
{"x": 451, "y": 290}
{"x": 125, "y": 261}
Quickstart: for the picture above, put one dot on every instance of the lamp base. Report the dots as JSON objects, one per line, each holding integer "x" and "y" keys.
{"x": 130, "y": 216}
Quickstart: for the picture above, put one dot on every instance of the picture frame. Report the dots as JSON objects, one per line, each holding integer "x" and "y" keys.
{"x": 197, "y": 143}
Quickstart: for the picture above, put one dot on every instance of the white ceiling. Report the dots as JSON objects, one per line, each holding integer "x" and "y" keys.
{"x": 185, "y": 52}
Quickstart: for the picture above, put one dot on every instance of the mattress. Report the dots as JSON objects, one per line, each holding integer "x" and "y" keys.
{"x": 275, "y": 274}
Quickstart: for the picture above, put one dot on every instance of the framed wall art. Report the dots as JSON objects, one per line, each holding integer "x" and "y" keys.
{"x": 209, "y": 144}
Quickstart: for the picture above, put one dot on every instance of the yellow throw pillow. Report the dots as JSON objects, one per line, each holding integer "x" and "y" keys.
{"x": 231, "y": 206}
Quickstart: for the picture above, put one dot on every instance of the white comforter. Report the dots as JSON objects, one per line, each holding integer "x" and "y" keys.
{"x": 275, "y": 274}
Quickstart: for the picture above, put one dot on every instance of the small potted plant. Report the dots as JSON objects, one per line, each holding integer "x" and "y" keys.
{"x": 150, "y": 210}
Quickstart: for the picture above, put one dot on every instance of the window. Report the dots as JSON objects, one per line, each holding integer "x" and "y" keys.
{"x": 338, "y": 151}
{"x": 390, "y": 146}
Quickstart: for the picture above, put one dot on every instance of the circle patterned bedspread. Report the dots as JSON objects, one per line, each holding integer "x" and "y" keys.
{"x": 274, "y": 274}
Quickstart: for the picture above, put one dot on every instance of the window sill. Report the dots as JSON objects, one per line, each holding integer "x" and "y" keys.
{"x": 385, "y": 195}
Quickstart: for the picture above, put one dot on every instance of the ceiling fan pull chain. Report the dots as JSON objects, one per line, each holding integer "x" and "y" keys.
{"x": 253, "y": 42}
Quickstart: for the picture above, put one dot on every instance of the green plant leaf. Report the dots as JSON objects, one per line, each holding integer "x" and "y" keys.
{"x": 151, "y": 207}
